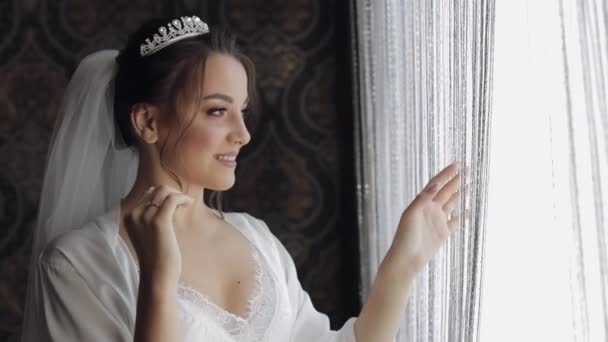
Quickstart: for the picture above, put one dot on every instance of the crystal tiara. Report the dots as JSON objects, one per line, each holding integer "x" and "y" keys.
{"x": 175, "y": 31}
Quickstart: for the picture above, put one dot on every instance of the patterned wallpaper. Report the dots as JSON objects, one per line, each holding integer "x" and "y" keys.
{"x": 296, "y": 173}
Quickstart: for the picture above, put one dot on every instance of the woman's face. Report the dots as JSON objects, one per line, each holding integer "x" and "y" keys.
{"x": 216, "y": 128}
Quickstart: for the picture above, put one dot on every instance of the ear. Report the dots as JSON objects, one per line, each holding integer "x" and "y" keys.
{"x": 144, "y": 119}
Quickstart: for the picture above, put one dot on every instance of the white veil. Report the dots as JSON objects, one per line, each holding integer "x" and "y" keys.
{"x": 88, "y": 168}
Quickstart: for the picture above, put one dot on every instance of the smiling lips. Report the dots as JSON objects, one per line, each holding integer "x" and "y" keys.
{"x": 228, "y": 159}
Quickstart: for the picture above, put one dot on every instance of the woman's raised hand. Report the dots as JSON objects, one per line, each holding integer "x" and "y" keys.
{"x": 424, "y": 227}
{"x": 425, "y": 224}
{"x": 151, "y": 229}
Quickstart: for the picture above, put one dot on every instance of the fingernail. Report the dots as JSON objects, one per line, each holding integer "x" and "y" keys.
{"x": 150, "y": 189}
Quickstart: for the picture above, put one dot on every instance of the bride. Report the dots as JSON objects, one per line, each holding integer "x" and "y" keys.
{"x": 126, "y": 249}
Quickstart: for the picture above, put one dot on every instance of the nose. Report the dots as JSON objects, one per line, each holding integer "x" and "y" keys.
{"x": 240, "y": 133}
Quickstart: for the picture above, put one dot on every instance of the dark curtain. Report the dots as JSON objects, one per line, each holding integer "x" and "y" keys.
{"x": 297, "y": 173}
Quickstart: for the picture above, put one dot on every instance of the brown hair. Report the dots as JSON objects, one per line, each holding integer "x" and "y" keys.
{"x": 175, "y": 71}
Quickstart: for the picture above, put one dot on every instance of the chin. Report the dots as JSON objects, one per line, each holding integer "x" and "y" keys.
{"x": 221, "y": 185}
{"x": 224, "y": 188}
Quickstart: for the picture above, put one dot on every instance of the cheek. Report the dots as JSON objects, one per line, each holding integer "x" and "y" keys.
{"x": 199, "y": 140}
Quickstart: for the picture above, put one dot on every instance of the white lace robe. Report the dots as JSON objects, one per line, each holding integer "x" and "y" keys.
{"x": 88, "y": 289}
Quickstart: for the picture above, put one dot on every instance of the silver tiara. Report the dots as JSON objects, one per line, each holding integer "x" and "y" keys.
{"x": 175, "y": 31}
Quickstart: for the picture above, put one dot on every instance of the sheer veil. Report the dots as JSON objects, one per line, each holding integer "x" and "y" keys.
{"x": 88, "y": 167}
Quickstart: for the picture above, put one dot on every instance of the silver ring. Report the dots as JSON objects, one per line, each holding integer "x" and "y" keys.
{"x": 150, "y": 204}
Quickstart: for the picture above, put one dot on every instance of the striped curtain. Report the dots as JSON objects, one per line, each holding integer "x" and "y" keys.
{"x": 423, "y": 94}
{"x": 584, "y": 30}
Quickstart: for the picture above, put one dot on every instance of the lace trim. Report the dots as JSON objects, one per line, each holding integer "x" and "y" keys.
{"x": 260, "y": 307}
{"x": 194, "y": 296}
{"x": 263, "y": 307}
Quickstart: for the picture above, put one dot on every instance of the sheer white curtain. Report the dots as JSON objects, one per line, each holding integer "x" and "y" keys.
{"x": 546, "y": 259}
{"x": 585, "y": 47}
{"x": 423, "y": 96}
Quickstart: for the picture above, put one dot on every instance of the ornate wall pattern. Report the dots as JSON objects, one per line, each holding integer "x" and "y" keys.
{"x": 296, "y": 174}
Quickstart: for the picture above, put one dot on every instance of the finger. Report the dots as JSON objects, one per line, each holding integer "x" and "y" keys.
{"x": 162, "y": 192}
{"x": 443, "y": 176}
{"x": 146, "y": 210}
{"x": 146, "y": 196}
{"x": 448, "y": 190}
{"x": 149, "y": 213}
{"x": 171, "y": 203}
{"x": 454, "y": 222}
{"x": 156, "y": 200}
{"x": 452, "y": 203}
{"x": 137, "y": 212}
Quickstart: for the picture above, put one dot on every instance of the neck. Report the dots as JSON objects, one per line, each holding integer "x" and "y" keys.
{"x": 186, "y": 216}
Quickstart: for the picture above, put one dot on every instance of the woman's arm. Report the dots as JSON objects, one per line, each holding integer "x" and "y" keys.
{"x": 157, "y": 313}
{"x": 150, "y": 226}
{"x": 423, "y": 228}
{"x": 383, "y": 309}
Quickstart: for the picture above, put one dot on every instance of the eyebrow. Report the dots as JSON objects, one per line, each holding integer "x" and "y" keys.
{"x": 222, "y": 97}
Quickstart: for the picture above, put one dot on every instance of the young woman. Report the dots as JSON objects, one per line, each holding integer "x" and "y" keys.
{"x": 143, "y": 133}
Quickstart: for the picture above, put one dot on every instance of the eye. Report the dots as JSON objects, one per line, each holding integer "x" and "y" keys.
{"x": 216, "y": 111}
